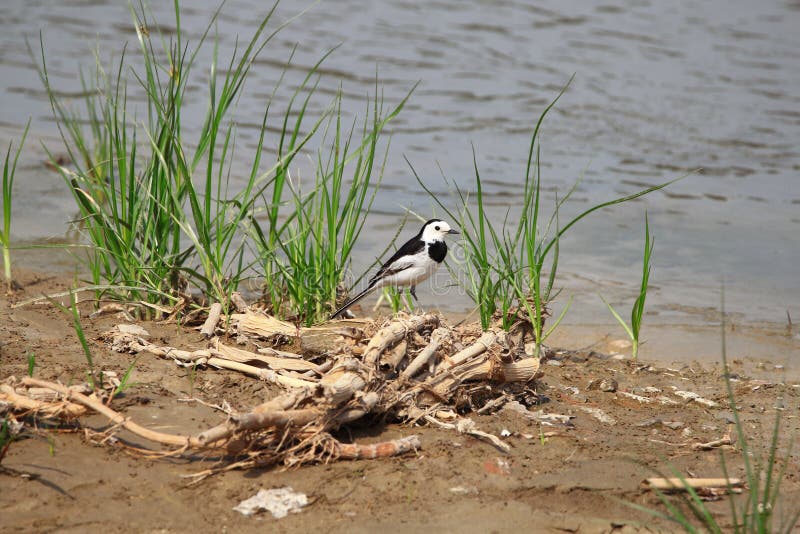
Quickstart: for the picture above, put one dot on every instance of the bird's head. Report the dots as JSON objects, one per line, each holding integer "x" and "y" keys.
{"x": 435, "y": 230}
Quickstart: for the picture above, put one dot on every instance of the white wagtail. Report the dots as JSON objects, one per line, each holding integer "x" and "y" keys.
{"x": 413, "y": 263}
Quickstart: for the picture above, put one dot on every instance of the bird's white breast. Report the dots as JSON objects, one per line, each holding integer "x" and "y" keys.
{"x": 420, "y": 267}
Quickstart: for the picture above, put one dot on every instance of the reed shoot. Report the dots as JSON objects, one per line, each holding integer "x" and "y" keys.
{"x": 637, "y": 312}
{"x": 9, "y": 170}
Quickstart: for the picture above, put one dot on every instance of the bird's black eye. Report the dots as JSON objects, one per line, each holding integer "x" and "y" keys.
{"x": 436, "y": 228}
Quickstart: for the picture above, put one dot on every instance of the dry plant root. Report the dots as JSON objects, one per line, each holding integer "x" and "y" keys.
{"x": 210, "y": 325}
{"x": 47, "y": 408}
{"x": 387, "y": 449}
{"x": 73, "y": 396}
{"x": 393, "y": 333}
{"x": 726, "y": 441}
{"x": 677, "y": 484}
{"x": 409, "y": 370}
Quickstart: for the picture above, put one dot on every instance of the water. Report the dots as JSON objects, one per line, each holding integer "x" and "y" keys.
{"x": 660, "y": 88}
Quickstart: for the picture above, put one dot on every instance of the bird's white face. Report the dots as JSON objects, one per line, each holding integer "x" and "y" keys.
{"x": 436, "y": 230}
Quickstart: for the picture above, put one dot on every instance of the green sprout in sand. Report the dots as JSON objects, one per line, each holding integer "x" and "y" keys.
{"x": 637, "y": 312}
{"x": 8, "y": 184}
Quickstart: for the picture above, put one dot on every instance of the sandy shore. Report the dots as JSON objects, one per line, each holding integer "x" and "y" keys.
{"x": 559, "y": 477}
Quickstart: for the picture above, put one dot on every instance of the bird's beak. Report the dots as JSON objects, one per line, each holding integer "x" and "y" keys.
{"x": 451, "y": 231}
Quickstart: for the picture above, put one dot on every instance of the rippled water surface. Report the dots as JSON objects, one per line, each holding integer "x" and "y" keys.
{"x": 660, "y": 88}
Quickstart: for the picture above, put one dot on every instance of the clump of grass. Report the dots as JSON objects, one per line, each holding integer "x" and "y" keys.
{"x": 511, "y": 267}
{"x": 764, "y": 474}
{"x": 8, "y": 185}
{"x": 124, "y": 178}
{"x": 505, "y": 262}
{"x": 148, "y": 222}
{"x": 637, "y": 311}
{"x": 219, "y": 221}
{"x": 316, "y": 244}
{"x": 158, "y": 210}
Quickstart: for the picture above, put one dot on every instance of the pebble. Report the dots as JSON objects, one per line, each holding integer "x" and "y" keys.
{"x": 609, "y": 385}
{"x": 727, "y": 417}
{"x": 572, "y": 390}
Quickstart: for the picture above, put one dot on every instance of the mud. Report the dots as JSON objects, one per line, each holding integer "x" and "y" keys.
{"x": 560, "y": 478}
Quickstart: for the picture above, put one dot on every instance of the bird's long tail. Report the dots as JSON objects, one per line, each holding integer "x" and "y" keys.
{"x": 370, "y": 289}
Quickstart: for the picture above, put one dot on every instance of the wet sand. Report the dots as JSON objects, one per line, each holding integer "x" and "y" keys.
{"x": 556, "y": 478}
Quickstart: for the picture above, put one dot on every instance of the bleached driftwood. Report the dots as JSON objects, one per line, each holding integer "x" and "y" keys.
{"x": 275, "y": 413}
{"x": 343, "y": 384}
{"x": 115, "y": 417}
{"x": 224, "y": 357}
{"x": 725, "y": 441}
{"x": 253, "y": 421}
{"x": 238, "y": 302}
{"x": 394, "y": 332}
{"x": 392, "y": 358}
{"x": 318, "y": 339}
{"x": 343, "y": 381}
{"x": 480, "y": 346}
{"x": 489, "y": 369}
{"x": 276, "y": 359}
{"x": 678, "y": 484}
{"x": 47, "y": 407}
{"x": 330, "y": 337}
{"x": 263, "y": 325}
{"x": 438, "y": 337}
{"x": 467, "y": 426}
{"x": 208, "y": 328}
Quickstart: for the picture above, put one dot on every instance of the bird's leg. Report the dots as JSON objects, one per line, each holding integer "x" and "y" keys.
{"x": 417, "y": 308}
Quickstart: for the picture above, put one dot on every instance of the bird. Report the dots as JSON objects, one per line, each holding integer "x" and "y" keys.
{"x": 413, "y": 263}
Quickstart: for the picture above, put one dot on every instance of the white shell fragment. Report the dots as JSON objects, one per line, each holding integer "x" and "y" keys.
{"x": 280, "y": 502}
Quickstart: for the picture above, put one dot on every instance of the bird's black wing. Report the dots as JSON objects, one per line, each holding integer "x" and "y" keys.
{"x": 413, "y": 246}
